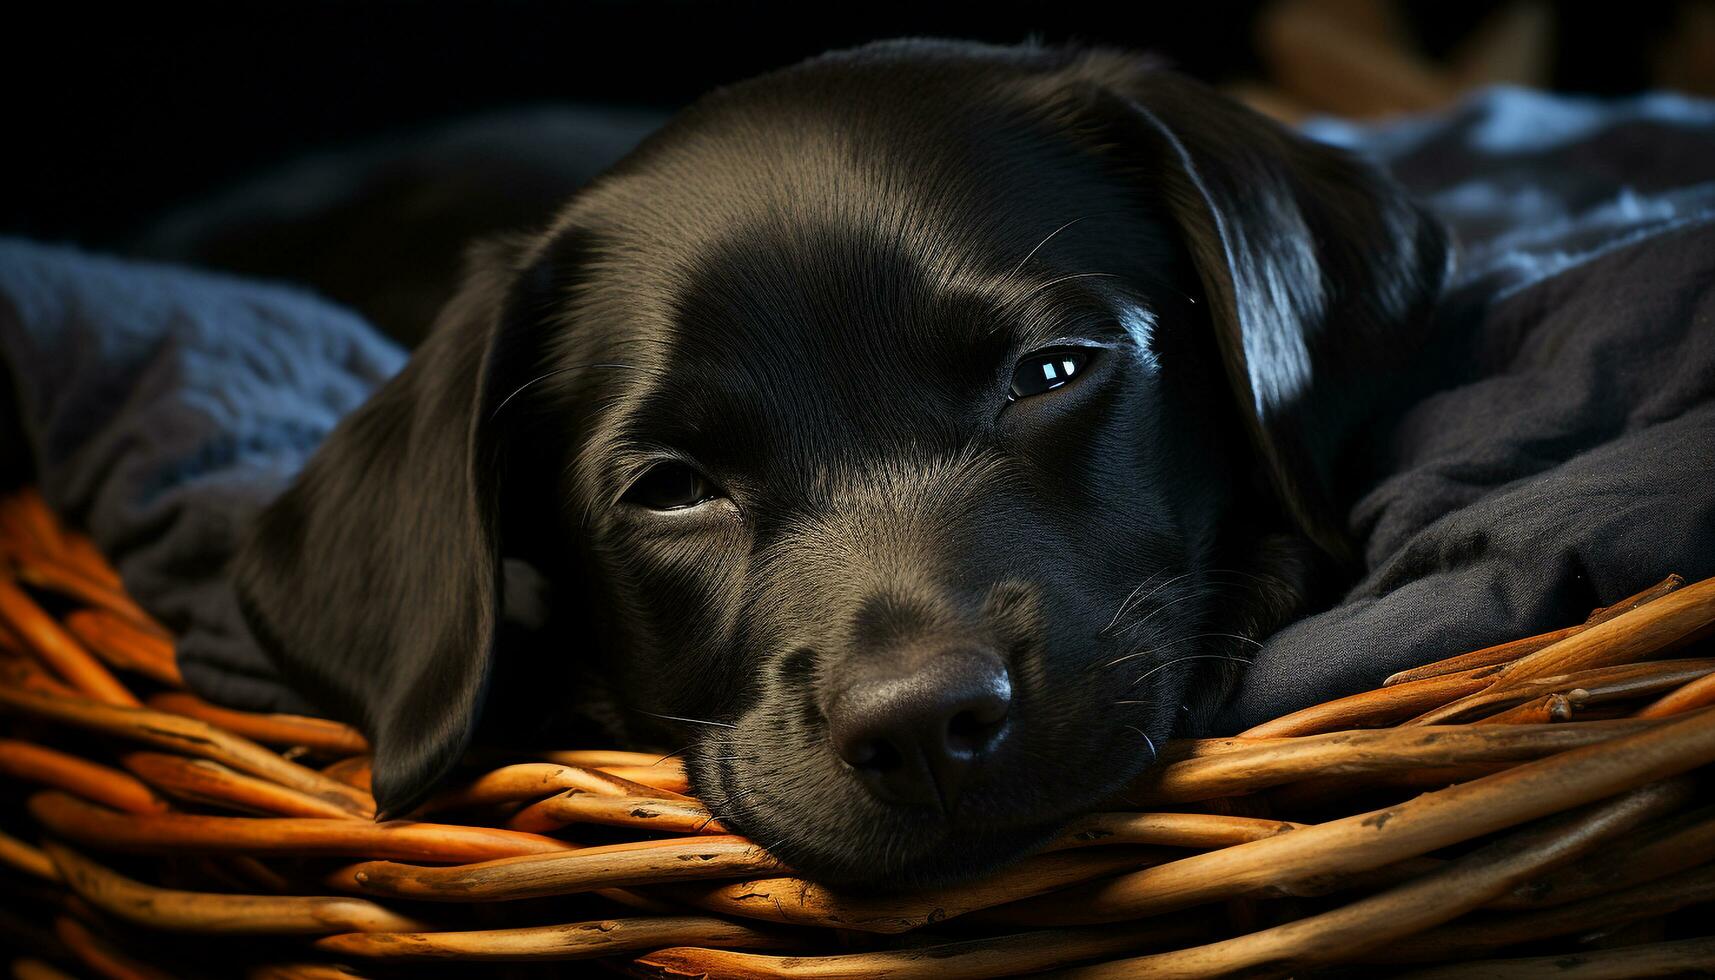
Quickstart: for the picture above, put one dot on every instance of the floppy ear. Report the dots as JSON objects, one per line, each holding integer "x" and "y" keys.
{"x": 1319, "y": 271}
{"x": 374, "y": 581}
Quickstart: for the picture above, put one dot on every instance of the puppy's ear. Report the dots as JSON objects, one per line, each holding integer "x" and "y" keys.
{"x": 1319, "y": 271}
{"x": 374, "y": 580}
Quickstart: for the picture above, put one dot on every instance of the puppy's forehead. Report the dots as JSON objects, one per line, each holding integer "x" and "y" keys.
{"x": 834, "y": 327}
{"x": 844, "y": 256}
{"x": 972, "y": 176}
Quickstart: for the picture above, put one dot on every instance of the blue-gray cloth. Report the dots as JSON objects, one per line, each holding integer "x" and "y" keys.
{"x": 162, "y": 407}
{"x": 1570, "y": 461}
{"x": 1574, "y": 462}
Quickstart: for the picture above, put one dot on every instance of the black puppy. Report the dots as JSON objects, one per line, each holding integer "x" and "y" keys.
{"x": 919, "y": 433}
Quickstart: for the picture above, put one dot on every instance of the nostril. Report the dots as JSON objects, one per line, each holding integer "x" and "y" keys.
{"x": 916, "y": 731}
{"x": 874, "y": 754}
{"x": 971, "y": 732}
{"x": 977, "y": 719}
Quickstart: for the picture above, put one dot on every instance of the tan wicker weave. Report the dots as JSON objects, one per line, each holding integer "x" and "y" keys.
{"x": 1539, "y": 808}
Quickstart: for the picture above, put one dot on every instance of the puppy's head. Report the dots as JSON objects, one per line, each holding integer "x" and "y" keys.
{"x": 913, "y": 434}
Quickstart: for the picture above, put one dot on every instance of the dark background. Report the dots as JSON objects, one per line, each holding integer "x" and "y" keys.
{"x": 114, "y": 114}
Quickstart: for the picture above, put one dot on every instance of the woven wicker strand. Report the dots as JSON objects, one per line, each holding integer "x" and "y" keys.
{"x": 161, "y": 908}
{"x": 1492, "y": 814}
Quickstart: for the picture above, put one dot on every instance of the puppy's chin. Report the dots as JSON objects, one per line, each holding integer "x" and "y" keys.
{"x": 904, "y": 858}
{"x": 860, "y": 846}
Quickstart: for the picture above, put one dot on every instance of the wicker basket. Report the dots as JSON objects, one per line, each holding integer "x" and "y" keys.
{"x": 1537, "y": 806}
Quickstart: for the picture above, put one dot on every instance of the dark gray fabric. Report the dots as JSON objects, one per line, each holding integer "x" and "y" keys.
{"x": 1566, "y": 464}
{"x": 1574, "y": 463}
{"x": 162, "y": 407}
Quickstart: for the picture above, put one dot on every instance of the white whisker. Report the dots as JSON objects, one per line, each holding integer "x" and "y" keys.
{"x": 1128, "y": 605}
{"x": 1125, "y": 604}
{"x": 1032, "y": 253}
{"x": 688, "y": 721}
{"x": 543, "y": 377}
{"x": 1179, "y": 660}
{"x": 1200, "y": 594}
{"x": 1076, "y": 275}
{"x": 1195, "y": 636}
{"x": 1154, "y": 756}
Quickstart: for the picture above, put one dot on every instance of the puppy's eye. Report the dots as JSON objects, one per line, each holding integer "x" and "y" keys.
{"x": 670, "y": 486}
{"x": 1045, "y": 371}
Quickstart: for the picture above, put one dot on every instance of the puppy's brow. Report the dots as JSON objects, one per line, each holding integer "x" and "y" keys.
{"x": 1032, "y": 253}
{"x": 1029, "y": 319}
{"x": 551, "y": 374}
{"x": 1068, "y": 278}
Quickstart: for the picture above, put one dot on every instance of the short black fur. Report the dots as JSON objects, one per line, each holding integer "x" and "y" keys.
{"x": 812, "y": 290}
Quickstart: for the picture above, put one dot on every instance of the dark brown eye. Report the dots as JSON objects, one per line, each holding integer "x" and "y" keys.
{"x": 1045, "y": 371}
{"x": 670, "y": 486}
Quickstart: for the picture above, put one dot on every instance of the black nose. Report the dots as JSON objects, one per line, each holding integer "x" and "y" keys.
{"x": 916, "y": 728}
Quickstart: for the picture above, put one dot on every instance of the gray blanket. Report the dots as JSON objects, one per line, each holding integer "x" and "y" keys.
{"x": 1573, "y": 462}
{"x": 159, "y": 409}
{"x": 1566, "y": 464}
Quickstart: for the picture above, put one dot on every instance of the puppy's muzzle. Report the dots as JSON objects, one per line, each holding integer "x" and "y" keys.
{"x": 918, "y": 724}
